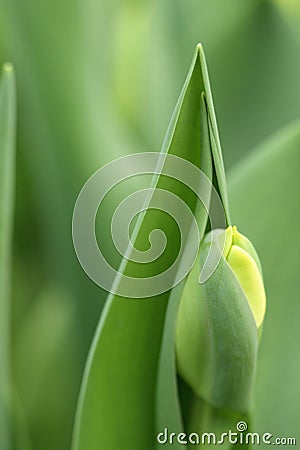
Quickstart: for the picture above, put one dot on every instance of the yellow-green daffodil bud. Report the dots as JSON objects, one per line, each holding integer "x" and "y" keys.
{"x": 218, "y": 322}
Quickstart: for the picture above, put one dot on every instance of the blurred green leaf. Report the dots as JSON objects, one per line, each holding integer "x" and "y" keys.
{"x": 43, "y": 359}
{"x": 267, "y": 182}
{"x": 7, "y": 181}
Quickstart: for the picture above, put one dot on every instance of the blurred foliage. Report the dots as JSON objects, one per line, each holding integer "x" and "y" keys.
{"x": 96, "y": 80}
{"x": 268, "y": 182}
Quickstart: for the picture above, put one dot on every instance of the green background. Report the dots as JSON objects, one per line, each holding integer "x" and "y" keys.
{"x": 97, "y": 80}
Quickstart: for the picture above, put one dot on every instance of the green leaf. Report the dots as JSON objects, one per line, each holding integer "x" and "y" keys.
{"x": 117, "y": 400}
{"x": 264, "y": 197}
{"x": 7, "y": 177}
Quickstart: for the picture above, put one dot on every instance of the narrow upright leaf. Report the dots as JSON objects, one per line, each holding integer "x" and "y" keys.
{"x": 7, "y": 172}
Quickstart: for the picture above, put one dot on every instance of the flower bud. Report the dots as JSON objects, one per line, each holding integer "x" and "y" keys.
{"x": 243, "y": 260}
{"x": 218, "y": 321}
